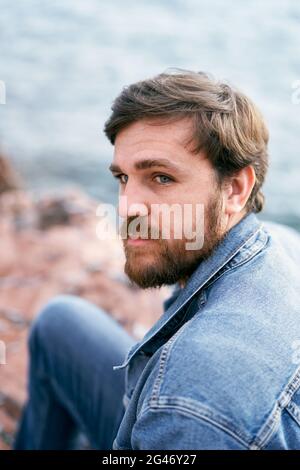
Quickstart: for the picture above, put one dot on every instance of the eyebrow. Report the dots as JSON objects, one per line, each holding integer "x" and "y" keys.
{"x": 146, "y": 164}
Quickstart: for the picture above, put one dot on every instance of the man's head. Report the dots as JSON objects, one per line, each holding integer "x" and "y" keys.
{"x": 183, "y": 138}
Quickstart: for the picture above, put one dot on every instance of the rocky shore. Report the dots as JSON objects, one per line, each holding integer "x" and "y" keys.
{"x": 49, "y": 246}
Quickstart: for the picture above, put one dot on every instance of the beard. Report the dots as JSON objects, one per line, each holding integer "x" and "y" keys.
{"x": 165, "y": 262}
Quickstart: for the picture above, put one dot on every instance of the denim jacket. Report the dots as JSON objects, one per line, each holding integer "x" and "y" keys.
{"x": 220, "y": 369}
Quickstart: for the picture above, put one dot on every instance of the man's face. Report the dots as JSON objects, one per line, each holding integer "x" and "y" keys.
{"x": 154, "y": 167}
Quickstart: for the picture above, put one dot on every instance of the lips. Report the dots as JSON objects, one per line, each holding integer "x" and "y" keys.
{"x": 138, "y": 241}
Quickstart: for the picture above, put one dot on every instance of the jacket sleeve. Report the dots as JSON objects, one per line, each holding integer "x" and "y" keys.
{"x": 167, "y": 428}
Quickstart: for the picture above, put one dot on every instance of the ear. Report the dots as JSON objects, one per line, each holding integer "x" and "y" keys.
{"x": 238, "y": 189}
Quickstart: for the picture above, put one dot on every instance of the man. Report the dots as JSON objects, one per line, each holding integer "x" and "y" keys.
{"x": 219, "y": 369}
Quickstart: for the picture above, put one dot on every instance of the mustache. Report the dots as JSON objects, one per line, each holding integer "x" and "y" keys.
{"x": 138, "y": 225}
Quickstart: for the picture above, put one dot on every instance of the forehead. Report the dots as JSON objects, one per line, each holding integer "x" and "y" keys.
{"x": 150, "y": 138}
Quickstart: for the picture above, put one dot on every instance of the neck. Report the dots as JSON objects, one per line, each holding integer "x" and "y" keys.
{"x": 231, "y": 222}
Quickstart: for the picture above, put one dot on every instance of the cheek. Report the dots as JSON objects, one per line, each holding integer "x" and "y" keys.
{"x": 197, "y": 191}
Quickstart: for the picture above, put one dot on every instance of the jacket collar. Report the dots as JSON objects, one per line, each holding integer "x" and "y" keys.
{"x": 241, "y": 235}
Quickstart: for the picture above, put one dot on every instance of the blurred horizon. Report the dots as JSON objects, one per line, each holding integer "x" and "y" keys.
{"x": 63, "y": 62}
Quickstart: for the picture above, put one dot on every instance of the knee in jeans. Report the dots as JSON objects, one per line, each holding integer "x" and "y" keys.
{"x": 52, "y": 321}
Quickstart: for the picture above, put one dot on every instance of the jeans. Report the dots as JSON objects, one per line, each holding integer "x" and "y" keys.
{"x": 72, "y": 387}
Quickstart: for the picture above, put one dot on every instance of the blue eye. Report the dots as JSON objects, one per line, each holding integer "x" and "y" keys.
{"x": 164, "y": 179}
{"x": 120, "y": 176}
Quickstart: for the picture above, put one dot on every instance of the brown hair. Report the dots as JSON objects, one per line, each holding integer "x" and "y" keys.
{"x": 228, "y": 126}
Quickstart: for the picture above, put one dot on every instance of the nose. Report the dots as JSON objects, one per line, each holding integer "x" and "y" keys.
{"x": 129, "y": 208}
{"x": 131, "y": 205}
